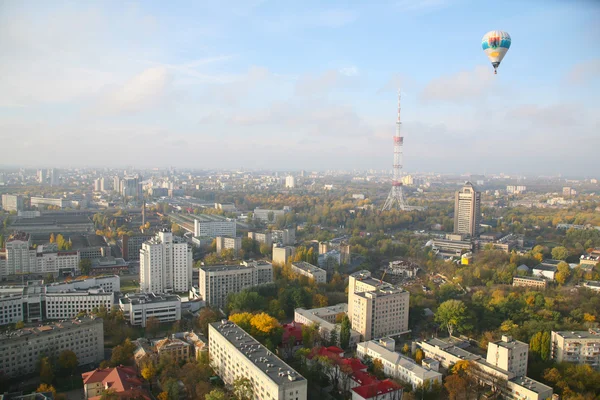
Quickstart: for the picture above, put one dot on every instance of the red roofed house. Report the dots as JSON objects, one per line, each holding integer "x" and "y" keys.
{"x": 380, "y": 390}
{"x": 122, "y": 380}
{"x": 291, "y": 340}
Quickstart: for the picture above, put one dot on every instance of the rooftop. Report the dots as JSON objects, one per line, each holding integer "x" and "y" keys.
{"x": 530, "y": 278}
{"x": 216, "y": 268}
{"x": 530, "y": 384}
{"x": 39, "y": 329}
{"x": 141, "y": 298}
{"x": 303, "y": 265}
{"x": 377, "y": 389}
{"x": 589, "y": 334}
{"x": 271, "y": 365}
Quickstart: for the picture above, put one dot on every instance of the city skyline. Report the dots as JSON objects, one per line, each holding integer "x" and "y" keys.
{"x": 289, "y": 87}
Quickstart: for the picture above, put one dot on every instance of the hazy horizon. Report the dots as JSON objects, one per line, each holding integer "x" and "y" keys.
{"x": 267, "y": 85}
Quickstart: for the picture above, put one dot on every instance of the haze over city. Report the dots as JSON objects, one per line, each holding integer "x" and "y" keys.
{"x": 300, "y": 86}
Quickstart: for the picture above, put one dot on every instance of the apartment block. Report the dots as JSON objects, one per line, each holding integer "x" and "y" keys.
{"x": 214, "y": 225}
{"x": 530, "y": 281}
{"x": 12, "y": 202}
{"x": 325, "y": 317}
{"x": 285, "y": 237}
{"x": 578, "y": 347}
{"x": 235, "y": 354}
{"x": 138, "y": 307}
{"x": 262, "y": 237}
{"x": 165, "y": 264}
{"x": 216, "y": 282}
{"x": 376, "y": 308}
{"x": 21, "y": 350}
{"x": 283, "y": 254}
{"x": 396, "y": 365}
{"x": 228, "y": 242}
{"x": 312, "y": 272}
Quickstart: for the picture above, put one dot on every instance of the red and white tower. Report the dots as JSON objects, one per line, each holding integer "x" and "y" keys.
{"x": 396, "y": 196}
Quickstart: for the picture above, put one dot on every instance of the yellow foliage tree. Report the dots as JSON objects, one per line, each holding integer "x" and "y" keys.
{"x": 419, "y": 356}
{"x": 243, "y": 320}
{"x": 45, "y": 388}
{"x": 460, "y": 367}
{"x": 263, "y": 322}
{"x": 589, "y": 317}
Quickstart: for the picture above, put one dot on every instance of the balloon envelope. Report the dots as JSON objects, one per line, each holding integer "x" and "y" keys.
{"x": 495, "y": 44}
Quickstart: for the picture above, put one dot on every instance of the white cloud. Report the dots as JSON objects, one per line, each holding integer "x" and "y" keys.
{"x": 349, "y": 71}
{"x": 583, "y": 72}
{"x": 463, "y": 86}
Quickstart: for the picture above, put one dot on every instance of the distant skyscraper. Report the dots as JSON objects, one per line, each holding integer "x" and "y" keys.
{"x": 290, "y": 182}
{"x": 467, "y": 210}
{"x": 103, "y": 185}
{"x": 117, "y": 184}
{"x": 165, "y": 264}
{"x": 54, "y": 178}
{"x": 97, "y": 185}
{"x": 41, "y": 176}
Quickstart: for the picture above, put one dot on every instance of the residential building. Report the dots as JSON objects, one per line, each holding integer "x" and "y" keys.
{"x": 568, "y": 191}
{"x": 54, "y": 177}
{"x": 262, "y": 237}
{"x": 378, "y": 390}
{"x": 235, "y": 354}
{"x": 325, "y": 317}
{"x": 216, "y": 282}
{"x": 286, "y": 237}
{"x": 338, "y": 245}
{"x": 498, "y": 366}
{"x": 396, "y": 365}
{"x": 530, "y": 281}
{"x": 131, "y": 246}
{"x": 578, "y": 347}
{"x": 21, "y": 350}
{"x": 138, "y": 307}
{"x": 403, "y": 268}
{"x": 516, "y": 189}
{"x": 269, "y": 215}
{"x": 68, "y": 304}
{"x": 122, "y": 380}
{"x": 467, "y": 210}
{"x": 228, "y": 242}
{"x": 103, "y": 184}
{"x": 290, "y": 182}
{"x": 312, "y": 272}
{"x": 283, "y": 254}
{"x": 165, "y": 264}
{"x": 178, "y": 350}
{"x": 42, "y": 176}
{"x": 214, "y": 225}
{"x": 376, "y": 308}
{"x": 117, "y": 184}
{"x": 131, "y": 186}
{"x": 12, "y": 202}
{"x": 97, "y": 185}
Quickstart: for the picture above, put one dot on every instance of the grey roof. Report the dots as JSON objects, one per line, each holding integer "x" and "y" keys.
{"x": 271, "y": 365}
{"x": 530, "y": 384}
{"x": 522, "y": 267}
{"x": 303, "y": 265}
{"x": 591, "y": 334}
{"x": 140, "y": 298}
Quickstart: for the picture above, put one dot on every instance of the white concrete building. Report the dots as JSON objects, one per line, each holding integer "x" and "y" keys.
{"x": 165, "y": 264}
{"x": 45, "y": 201}
{"x": 262, "y": 237}
{"x": 290, "y": 182}
{"x": 215, "y": 282}
{"x": 21, "y": 350}
{"x": 578, "y": 347}
{"x": 214, "y": 225}
{"x": 286, "y": 237}
{"x": 67, "y": 304}
{"x": 138, "y": 307}
{"x": 228, "y": 242}
{"x": 396, "y": 365}
{"x": 283, "y": 254}
{"x": 375, "y": 308}
{"x": 509, "y": 355}
{"x": 265, "y": 215}
{"x": 12, "y": 202}
{"x": 325, "y": 317}
{"x": 312, "y": 272}
{"x": 467, "y": 210}
{"x": 235, "y": 354}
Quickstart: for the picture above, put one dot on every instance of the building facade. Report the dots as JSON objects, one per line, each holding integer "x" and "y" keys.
{"x": 21, "y": 350}
{"x": 235, "y": 354}
{"x": 262, "y": 237}
{"x": 228, "y": 242}
{"x": 325, "y": 317}
{"x": 12, "y": 202}
{"x": 312, "y": 272}
{"x": 530, "y": 281}
{"x": 139, "y": 307}
{"x": 578, "y": 347}
{"x": 283, "y": 254}
{"x": 375, "y": 308}
{"x": 216, "y": 282}
{"x": 214, "y": 225}
{"x": 467, "y": 210}
{"x": 165, "y": 264}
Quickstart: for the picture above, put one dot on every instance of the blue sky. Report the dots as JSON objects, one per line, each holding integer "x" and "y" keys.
{"x": 300, "y": 85}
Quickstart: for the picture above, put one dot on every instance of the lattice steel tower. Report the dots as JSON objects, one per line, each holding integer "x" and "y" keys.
{"x": 396, "y": 196}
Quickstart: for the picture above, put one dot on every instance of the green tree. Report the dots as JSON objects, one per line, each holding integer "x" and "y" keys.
{"x": 545, "y": 346}
{"x": 345, "y": 332}
{"x": 152, "y": 325}
{"x": 19, "y": 325}
{"x": 60, "y": 242}
{"x": 67, "y": 361}
{"x": 1, "y": 241}
{"x": 560, "y": 253}
{"x": 419, "y": 356}
{"x": 109, "y": 394}
{"x": 535, "y": 344}
{"x": 206, "y": 316}
{"x": 123, "y": 353}
{"x": 216, "y": 394}
{"x": 243, "y": 389}
{"x": 46, "y": 371}
{"x": 563, "y": 273}
{"x": 333, "y": 337}
{"x": 452, "y": 314}
{"x": 85, "y": 266}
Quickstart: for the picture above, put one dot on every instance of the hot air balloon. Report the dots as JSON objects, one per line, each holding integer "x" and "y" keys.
{"x": 496, "y": 44}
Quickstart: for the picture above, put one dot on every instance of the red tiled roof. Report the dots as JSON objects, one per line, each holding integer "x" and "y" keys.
{"x": 331, "y": 352}
{"x": 294, "y": 329}
{"x": 355, "y": 364}
{"x": 363, "y": 378}
{"x": 377, "y": 388}
{"x": 120, "y": 379}
{"x": 335, "y": 349}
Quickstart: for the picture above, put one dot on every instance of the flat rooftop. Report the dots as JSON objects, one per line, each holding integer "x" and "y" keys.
{"x": 530, "y": 384}
{"x": 591, "y": 334}
{"x": 511, "y": 344}
{"x": 271, "y": 365}
{"x": 216, "y": 268}
{"x": 39, "y": 329}
{"x": 148, "y": 298}
{"x": 303, "y": 265}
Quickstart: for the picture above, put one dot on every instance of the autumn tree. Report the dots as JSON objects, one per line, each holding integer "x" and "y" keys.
{"x": 46, "y": 371}
{"x": 152, "y": 325}
{"x": 545, "y": 346}
{"x": 560, "y": 253}
{"x": 419, "y": 356}
{"x": 67, "y": 361}
{"x": 206, "y": 316}
{"x": 564, "y": 271}
{"x": 378, "y": 368}
{"x": 456, "y": 386}
{"x": 85, "y": 266}
{"x": 243, "y": 389}
{"x": 149, "y": 371}
{"x": 216, "y": 394}
{"x": 45, "y": 388}
{"x": 452, "y": 314}
{"x": 123, "y": 353}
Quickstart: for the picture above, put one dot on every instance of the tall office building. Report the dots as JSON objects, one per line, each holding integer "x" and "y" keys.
{"x": 132, "y": 186}
{"x": 165, "y": 264}
{"x": 117, "y": 184}
{"x": 97, "y": 185}
{"x": 54, "y": 177}
{"x": 467, "y": 210}
{"x": 41, "y": 176}
{"x": 376, "y": 308}
{"x": 103, "y": 184}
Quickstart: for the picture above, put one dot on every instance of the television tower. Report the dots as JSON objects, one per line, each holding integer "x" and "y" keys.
{"x": 396, "y": 196}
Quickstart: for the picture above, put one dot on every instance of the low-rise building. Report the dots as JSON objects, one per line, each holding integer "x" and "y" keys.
{"x": 216, "y": 282}
{"x": 403, "y": 268}
{"x": 122, "y": 380}
{"x": 578, "y": 347}
{"x": 178, "y": 350}
{"x": 21, "y": 350}
{"x": 235, "y": 354}
{"x": 265, "y": 215}
{"x": 45, "y": 201}
{"x": 137, "y": 308}
{"x": 109, "y": 265}
{"x": 592, "y": 285}
{"x": 228, "y": 242}
{"x": 530, "y": 281}
{"x": 396, "y": 365}
{"x": 325, "y": 318}
{"x": 545, "y": 271}
{"x": 312, "y": 272}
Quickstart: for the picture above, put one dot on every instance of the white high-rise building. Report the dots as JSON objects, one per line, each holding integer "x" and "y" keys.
{"x": 290, "y": 182}
{"x": 117, "y": 184}
{"x": 165, "y": 264}
{"x": 376, "y": 308}
{"x": 103, "y": 184}
{"x": 97, "y": 185}
{"x": 467, "y": 210}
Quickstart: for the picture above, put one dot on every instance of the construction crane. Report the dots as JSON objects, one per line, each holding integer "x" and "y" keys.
{"x": 382, "y": 276}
